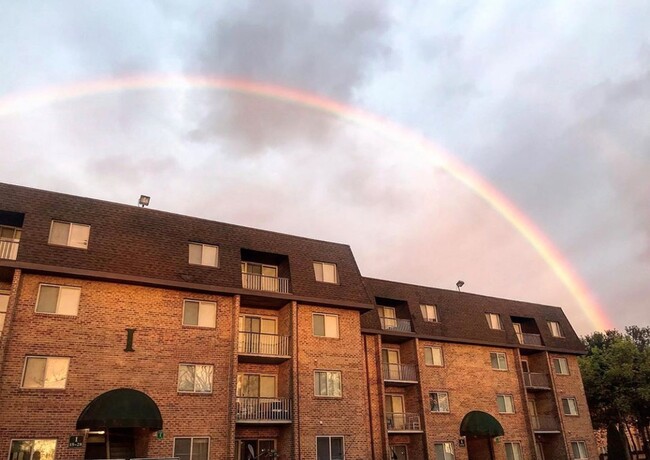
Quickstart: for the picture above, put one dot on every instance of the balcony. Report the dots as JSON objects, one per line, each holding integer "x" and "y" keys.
{"x": 9, "y": 248}
{"x": 544, "y": 424}
{"x": 264, "y": 283}
{"x": 399, "y": 374}
{"x": 263, "y": 348}
{"x": 263, "y": 410}
{"x": 536, "y": 381}
{"x": 395, "y": 324}
{"x": 403, "y": 422}
{"x": 529, "y": 339}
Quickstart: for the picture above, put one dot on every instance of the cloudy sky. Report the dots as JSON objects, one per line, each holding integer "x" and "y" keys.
{"x": 547, "y": 101}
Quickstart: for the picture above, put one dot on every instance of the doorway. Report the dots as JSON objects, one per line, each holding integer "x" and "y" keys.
{"x": 480, "y": 448}
{"x": 122, "y": 443}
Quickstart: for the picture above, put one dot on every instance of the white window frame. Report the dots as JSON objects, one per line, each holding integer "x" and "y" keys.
{"x": 317, "y": 383}
{"x": 325, "y": 335}
{"x": 516, "y": 454}
{"x": 322, "y": 272}
{"x": 506, "y": 397}
{"x": 44, "y": 387}
{"x": 191, "y": 438}
{"x": 58, "y": 299}
{"x": 584, "y": 450}
{"x": 433, "y": 361}
{"x": 70, "y": 224}
{"x": 573, "y": 410}
{"x": 556, "y": 329}
{"x": 489, "y": 317}
{"x": 438, "y": 393}
{"x": 330, "y": 443}
{"x": 444, "y": 444}
{"x": 33, "y": 440}
{"x": 425, "y": 308}
{"x": 194, "y": 391}
{"x": 203, "y": 246}
{"x": 201, "y": 303}
{"x": 557, "y": 363}
{"x": 498, "y": 354}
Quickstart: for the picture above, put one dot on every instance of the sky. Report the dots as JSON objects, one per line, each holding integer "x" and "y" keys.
{"x": 549, "y": 102}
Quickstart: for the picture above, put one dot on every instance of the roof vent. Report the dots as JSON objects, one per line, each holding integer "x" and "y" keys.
{"x": 144, "y": 201}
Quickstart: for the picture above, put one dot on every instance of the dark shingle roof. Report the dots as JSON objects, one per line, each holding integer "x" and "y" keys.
{"x": 462, "y": 315}
{"x": 133, "y": 241}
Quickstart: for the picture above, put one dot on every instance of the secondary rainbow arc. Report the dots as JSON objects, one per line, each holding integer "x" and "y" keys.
{"x": 21, "y": 103}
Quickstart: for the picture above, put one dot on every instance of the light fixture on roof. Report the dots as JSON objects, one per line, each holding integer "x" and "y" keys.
{"x": 460, "y": 284}
{"x": 144, "y": 201}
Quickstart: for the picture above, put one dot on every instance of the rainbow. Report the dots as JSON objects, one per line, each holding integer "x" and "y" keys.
{"x": 25, "y": 102}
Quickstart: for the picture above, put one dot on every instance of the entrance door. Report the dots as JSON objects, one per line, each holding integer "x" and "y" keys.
{"x": 391, "y": 363}
{"x": 524, "y": 365}
{"x": 387, "y": 317}
{"x": 255, "y": 448}
{"x": 519, "y": 332}
{"x": 398, "y": 453}
{"x": 111, "y": 443}
{"x": 395, "y": 412}
{"x": 479, "y": 448}
{"x": 539, "y": 451}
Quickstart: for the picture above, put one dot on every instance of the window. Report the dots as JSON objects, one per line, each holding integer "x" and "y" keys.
{"x": 191, "y": 448}
{"x": 262, "y": 448}
{"x": 444, "y": 451}
{"x": 561, "y": 366}
{"x": 570, "y": 406}
{"x": 325, "y": 325}
{"x": 433, "y": 356}
{"x": 499, "y": 361}
{"x": 204, "y": 254}
{"x": 195, "y": 378}
{"x": 32, "y": 449}
{"x": 325, "y": 272}
{"x": 513, "y": 451}
{"x": 579, "y": 449}
{"x": 429, "y": 313}
{"x": 9, "y": 241}
{"x": 439, "y": 401}
{"x": 256, "y": 386}
{"x": 556, "y": 330}
{"x": 330, "y": 448}
{"x": 60, "y": 300}
{"x": 4, "y": 303}
{"x": 68, "y": 234}
{"x": 387, "y": 317}
{"x": 199, "y": 313}
{"x": 494, "y": 320}
{"x": 327, "y": 383}
{"x": 505, "y": 404}
{"x": 45, "y": 372}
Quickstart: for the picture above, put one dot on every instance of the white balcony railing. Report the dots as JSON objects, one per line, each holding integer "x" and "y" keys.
{"x": 255, "y": 343}
{"x": 403, "y": 421}
{"x": 544, "y": 423}
{"x": 263, "y": 409}
{"x": 529, "y": 339}
{"x": 8, "y": 248}
{"x": 536, "y": 380}
{"x": 264, "y": 283}
{"x": 400, "y": 372}
{"x": 395, "y": 324}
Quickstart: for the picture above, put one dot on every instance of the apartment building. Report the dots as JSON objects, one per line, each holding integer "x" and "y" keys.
{"x": 127, "y": 332}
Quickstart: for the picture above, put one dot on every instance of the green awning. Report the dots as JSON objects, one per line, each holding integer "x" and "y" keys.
{"x": 121, "y": 408}
{"x": 477, "y": 423}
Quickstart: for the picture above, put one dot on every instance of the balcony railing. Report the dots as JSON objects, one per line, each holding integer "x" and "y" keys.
{"x": 536, "y": 380}
{"x": 544, "y": 423}
{"x": 264, "y": 283}
{"x": 395, "y": 324}
{"x": 8, "y": 248}
{"x": 400, "y": 421}
{"x": 264, "y": 410}
{"x": 400, "y": 372}
{"x": 529, "y": 339}
{"x": 255, "y": 343}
